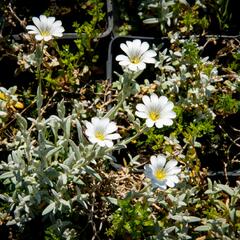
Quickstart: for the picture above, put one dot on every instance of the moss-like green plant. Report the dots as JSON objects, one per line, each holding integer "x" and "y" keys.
{"x": 132, "y": 219}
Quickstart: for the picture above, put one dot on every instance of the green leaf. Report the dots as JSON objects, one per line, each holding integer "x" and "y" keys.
{"x": 39, "y": 98}
{"x": 151, "y": 20}
{"x": 62, "y": 179}
{"x": 91, "y": 171}
{"x": 77, "y": 180}
{"x": 79, "y": 130}
{"x": 22, "y": 122}
{"x": 52, "y": 152}
{"x": 203, "y": 228}
{"x": 5, "y": 198}
{"x": 65, "y": 203}
{"x": 12, "y": 222}
{"x": 177, "y": 218}
{"x": 169, "y": 229}
{"x": 61, "y": 110}
{"x": 233, "y": 214}
{"x": 75, "y": 149}
{"x": 16, "y": 156}
{"x": 191, "y": 219}
{"x": 119, "y": 146}
{"x": 111, "y": 200}
{"x": 188, "y": 219}
{"x": 49, "y": 208}
{"x": 6, "y": 175}
{"x": 38, "y": 55}
{"x": 210, "y": 186}
{"x": 226, "y": 189}
{"x": 68, "y": 162}
{"x": 67, "y": 127}
{"x": 56, "y": 194}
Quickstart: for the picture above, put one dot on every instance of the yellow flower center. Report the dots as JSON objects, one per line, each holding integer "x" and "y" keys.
{"x": 45, "y": 33}
{"x": 160, "y": 174}
{"x": 100, "y": 136}
{"x": 135, "y": 60}
{"x": 154, "y": 116}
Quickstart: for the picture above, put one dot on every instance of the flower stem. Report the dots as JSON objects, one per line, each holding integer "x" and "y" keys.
{"x": 39, "y": 55}
{"x": 128, "y": 80}
{"x": 39, "y": 100}
{"x": 110, "y": 114}
{"x": 136, "y": 135}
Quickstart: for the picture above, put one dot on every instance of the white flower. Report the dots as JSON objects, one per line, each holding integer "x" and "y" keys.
{"x": 162, "y": 173}
{"x": 137, "y": 55}
{"x": 45, "y": 28}
{"x": 100, "y": 131}
{"x": 157, "y": 110}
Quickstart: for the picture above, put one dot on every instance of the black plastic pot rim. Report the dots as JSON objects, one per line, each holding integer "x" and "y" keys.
{"x": 73, "y": 36}
{"x": 146, "y": 38}
{"x": 221, "y": 173}
{"x": 182, "y": 37}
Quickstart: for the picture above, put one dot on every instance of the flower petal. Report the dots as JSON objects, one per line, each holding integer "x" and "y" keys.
{"x": 111, "y": 127}
{"x": 141, "y": 114}
{"x": 161, "y": 160}
{"x": 159, "y": 123}
{"x": 38, "y": 37}
{"x": 144, "y": 48}
{"x": 141, "y": 66}
{"x": 125, "y": 48}
{"x": 122, "y": 57}
{"x": 108, "y": 143}
{"x": 141, "y": 107}
{"x": 146, "y": 100}
{"x": 133, "y": 67}
{"x": 36, "y": 22}
{"x": 163, "y": 100}
{"x": 113, "y": 136}
{"x": 149, "y": 123}
{"x": 171, "y": 164}
{"x": 154, "y": 98}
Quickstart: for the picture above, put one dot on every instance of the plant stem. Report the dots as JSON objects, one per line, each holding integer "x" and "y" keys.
{"x": 39, "y": 100}
{"x": 128, "y": 140}
{"x": 114, "y": 109}
{"x": 136, "y": 135}
{"x": 39, "y": 53}
{"x": 128, "y": 79}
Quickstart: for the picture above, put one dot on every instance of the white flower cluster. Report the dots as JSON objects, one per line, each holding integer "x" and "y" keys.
{"x": 156, "y": 110}
{"x": 100, "y": 131}
{"x": 45, "y": 28}
{"x": 163, "y": 173}
{"x": 137, "y": 55}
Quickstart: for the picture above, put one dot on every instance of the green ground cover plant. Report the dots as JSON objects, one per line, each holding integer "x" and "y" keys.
{"x": 154, "y": 154}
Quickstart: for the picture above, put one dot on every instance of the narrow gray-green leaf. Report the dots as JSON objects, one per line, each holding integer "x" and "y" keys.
{"x": 111, "y": 200}
{"x": 191, "y": 219}
{"x": 6, "y": 175}
{"x": 203, "y": 228}
{"x": 75, "y": 149}
{"x": 67, "y": 127}
{"x": 91, "y": 171}
{"x": 22, "y": 122}
{"x": 226, "y": 189}
{"x": 61, "y": 110}
{"x": 52, "y": 152}
{"x": 49, "y": 208}
{"x": 80, "y": 133}
{"x": 4, "y": 198}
